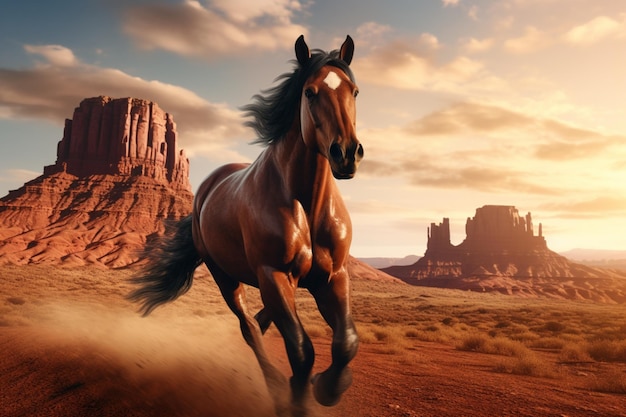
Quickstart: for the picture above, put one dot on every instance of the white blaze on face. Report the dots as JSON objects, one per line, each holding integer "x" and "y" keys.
{"x": 332, "y": 80}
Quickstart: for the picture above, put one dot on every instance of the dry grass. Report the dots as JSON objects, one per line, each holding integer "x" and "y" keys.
{"x": 574, "y": 353}
{"x": 528, "y": 364}
{"x": 608, "y": 350}
{"x": 535, "y": 337}
{"x": 530, "y": 337}
{"x": 614, "y": 382}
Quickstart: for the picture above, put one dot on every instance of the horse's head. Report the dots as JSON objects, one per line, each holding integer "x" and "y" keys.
{"x": 328, "y": 112}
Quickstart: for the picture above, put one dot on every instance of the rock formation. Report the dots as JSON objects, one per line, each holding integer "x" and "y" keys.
{"x": 117, "y": 177}
{"x": 501, "y": 253}
{"x": 125, "y": 136}
{"x": 495, "y": 229}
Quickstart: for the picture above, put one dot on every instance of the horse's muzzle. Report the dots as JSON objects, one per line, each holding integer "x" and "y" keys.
{"x": 344, "y": 161}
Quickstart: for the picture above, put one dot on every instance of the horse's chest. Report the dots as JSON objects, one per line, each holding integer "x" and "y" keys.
{"x": 295, "y": 241}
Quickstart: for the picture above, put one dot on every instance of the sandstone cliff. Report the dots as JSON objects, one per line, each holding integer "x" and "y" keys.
{"x": 502, "y": 253}
{"x": 118, "y": 175}
{"x": 125, "y": 136}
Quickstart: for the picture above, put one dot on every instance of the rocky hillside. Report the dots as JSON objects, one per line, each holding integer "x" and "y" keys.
{"x": 117, "y": 177}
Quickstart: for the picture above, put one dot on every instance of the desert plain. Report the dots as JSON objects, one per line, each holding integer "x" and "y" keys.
{"x": 72, "y": 345}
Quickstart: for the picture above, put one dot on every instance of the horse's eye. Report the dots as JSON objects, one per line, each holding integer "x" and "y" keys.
{"x": 356, "y": 93}
{"x": 309, "y": 93}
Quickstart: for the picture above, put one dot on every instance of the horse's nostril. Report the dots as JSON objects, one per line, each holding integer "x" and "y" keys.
{"x": 360, "y": 151}
{"x": 336, "y": 152}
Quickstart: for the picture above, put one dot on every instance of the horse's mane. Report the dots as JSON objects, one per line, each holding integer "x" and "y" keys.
{"x": 274, "y": 109}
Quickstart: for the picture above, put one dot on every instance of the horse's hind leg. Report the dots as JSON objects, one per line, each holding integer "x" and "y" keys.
{"x": 278, "y": 294}
{"x": 235, "y": 296}
{"x": 333, "y": 301}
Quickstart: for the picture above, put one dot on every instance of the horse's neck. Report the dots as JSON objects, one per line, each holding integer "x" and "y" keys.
{"x": 306, "y": 173}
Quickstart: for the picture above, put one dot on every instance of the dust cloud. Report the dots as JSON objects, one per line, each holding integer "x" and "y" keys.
{"x": 66, "y": 355}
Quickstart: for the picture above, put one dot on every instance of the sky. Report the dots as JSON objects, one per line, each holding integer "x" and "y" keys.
{"x": 462, "y": 103}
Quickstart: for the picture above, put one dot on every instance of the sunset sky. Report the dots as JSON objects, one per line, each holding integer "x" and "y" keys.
{"x": 462, "y": 103}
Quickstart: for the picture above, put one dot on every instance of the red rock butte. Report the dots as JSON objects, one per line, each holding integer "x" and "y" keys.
{"x": 118, "y": 175}
{"x": 498, "y": 229}
{"x": 502, "y": 253}
{"x": 125, "y": 136}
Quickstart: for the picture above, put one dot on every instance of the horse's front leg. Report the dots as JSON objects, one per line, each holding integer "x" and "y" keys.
{"x": 278, "y": 294}
{"x": 333, "y": 301}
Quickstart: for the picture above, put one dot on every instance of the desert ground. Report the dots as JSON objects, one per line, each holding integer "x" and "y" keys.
{"x": 73, "y": 346}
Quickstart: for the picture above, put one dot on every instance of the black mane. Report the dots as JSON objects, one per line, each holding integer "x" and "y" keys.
{"x": 273, "y": 110}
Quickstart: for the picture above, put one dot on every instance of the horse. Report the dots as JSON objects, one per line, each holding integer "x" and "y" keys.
{"x": 279, "y": 223}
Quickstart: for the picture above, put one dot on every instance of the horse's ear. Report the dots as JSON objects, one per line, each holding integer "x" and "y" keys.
{"x": 302, "y": 51}
{"x": 347, "y": 50}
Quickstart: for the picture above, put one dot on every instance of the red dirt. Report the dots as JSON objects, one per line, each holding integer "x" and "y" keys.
{"x": 72, "y": 347}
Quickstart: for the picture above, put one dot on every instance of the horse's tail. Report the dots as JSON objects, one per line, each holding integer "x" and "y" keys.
{"x": 168, "y": 274}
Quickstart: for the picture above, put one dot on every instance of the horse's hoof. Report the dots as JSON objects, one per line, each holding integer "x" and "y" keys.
{"x": 328, "y": 387}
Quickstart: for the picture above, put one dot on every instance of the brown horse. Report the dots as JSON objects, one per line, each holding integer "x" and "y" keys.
{"x": 279, "y": 223}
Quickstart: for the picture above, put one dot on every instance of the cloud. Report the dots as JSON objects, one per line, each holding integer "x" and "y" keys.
{"x": 479, "y": 178}
{"x": 372, "y": 30}
{"x": 18, "y": 175}
{"x": 473, "y": 45}
{"x": 409, "y": 65}
{"x": 55, "y": 54}
{"x": 599, "y": 206}
{"x": 430, "y": 41}
{"x": 466, "y": 117}
{"x": 473, "y": 12}
{"x": 550, "y": 139}
{"x": 532, "y": 40}
{"x": 51, "y": 92}
{"x": 456, "y": 159}
{"x": 565, "y": 150}
{"x": 452, "y": 3}
{"x": 223, "y": 27}
{"x": 453, "y": 172}
{"x": 566, "y": 142}
{"x": 488, "y": 148}
{"x": 596, "y": 30}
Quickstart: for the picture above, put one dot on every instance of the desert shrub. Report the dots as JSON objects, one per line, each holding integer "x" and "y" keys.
{"x": 392, "y": 335}
{"x": 447, "y": 321}
{"x": 479, "y": 342}
{"x": 574, "y": 353}
{"x": 608, "y": 350}
{"x": 528, "y": 364}
{"x": 570, "y": 338}
{"x": 429, "y": 336}
{"x": 18, "y": 301}
{"x": 431, "y": 328}
{"x": 382, "y": 335}
{"x": 473, "y": 343}
{"x": 317, "y": 330}
{"x": 548, "y": 343}
{"x": 554, "y": 326}
{"x": 609, "y": 332}
{"x": 463, "y": 327}
{"x": 412, "y": 333}
{"x": 507, "y": 347}
{"x": 366, "y": 335}
{"x": 525, "y": 336}
{"x": 614, "y": 383}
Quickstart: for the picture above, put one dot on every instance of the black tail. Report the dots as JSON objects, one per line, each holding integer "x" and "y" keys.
{"x": 172, "y": 261}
